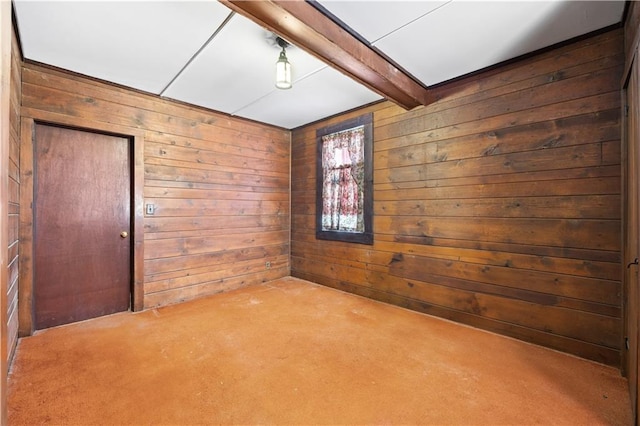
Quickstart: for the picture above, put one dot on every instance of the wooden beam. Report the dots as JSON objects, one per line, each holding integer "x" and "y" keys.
{"x": 309, "y": 29}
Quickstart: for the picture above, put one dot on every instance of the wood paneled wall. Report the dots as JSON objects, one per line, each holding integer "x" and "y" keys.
{"x": 630, "y": 143}
{"x": 220, "y": 185}
{"x": 497, "y": 206}
{"x": 5, "y": 135}
{"x": 14, "y": 195}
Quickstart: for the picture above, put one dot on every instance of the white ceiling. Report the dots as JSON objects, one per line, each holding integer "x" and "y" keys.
{"x": 201, "y": 53}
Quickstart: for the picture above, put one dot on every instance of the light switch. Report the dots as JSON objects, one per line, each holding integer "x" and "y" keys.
{"x": 151, "y": 208}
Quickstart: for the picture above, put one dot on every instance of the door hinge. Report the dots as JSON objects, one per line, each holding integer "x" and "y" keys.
{"x": 626, "y": 110}
{"x": 626, "y": 342}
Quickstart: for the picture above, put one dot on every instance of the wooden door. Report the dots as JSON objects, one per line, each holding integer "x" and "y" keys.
{"x": 82, "y": 204}
{"x": 631, "y": 238}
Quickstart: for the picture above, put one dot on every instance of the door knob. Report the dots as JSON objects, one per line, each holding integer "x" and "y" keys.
{"x": 124, "y": 234}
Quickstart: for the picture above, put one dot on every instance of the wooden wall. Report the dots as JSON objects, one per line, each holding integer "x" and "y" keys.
{"x": 630, "y": 144}
{"x": 220, "y": 185}
{"x": 497, "y": 206}
{"x": 5, "y": 136}
{"x": 14, "y": 195}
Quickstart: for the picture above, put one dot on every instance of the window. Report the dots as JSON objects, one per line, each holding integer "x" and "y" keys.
{"x": 344, "y": 181}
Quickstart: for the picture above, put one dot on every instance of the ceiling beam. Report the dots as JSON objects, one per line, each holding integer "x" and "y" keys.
{"x": 309, "y": 29}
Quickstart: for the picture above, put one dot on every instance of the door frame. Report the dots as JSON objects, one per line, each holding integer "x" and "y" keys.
{"x": 627, "y": 369}
{"x": 26, "y": 245}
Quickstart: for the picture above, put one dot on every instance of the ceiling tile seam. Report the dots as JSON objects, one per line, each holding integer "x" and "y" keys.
{"x": 198, "y": 52}
{"x": 296, "y": 81}
{"x": 409, "y": 23}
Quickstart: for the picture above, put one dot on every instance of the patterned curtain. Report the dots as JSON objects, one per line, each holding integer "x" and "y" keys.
{"x": 343, "y": 178}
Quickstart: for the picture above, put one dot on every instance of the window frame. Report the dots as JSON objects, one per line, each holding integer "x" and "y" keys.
{"x": 366, "y": 236}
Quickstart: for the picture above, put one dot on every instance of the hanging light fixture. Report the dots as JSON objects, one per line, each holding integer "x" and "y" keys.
{"x": 283, "y": 67}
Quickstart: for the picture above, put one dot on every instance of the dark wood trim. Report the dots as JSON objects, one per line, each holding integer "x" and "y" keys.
{"x": 631, "y": 45}
{"x": 26, "y": 213}
{"x": 309, "y": 29}
{"x": 624, "y": 142}
{"x": 16, "y": 34}
{"x": 365, "y": 237}
{"x": 25, "y": 283}
{"x": 137, "y": 222}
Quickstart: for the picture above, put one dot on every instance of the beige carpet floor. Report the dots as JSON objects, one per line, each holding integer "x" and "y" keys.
{"x": 292, "y": 352}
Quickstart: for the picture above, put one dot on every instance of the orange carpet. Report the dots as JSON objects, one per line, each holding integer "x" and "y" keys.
{"x": 292, "y": 352}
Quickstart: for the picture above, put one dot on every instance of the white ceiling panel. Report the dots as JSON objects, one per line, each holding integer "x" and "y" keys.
{"x": 376, "y": 19}
{"x": 237, "y": 67}
{"x": 136, "y": 44}
{"x": 148, "y": 44}
{"x": 465, "y": 36}
{"x": 320, "y": 95}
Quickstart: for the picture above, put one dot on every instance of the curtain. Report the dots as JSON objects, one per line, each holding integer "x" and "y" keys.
{"x": 343, "y": 178}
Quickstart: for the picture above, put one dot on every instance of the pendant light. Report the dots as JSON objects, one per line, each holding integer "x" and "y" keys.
{"x": 283, "y": 67}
